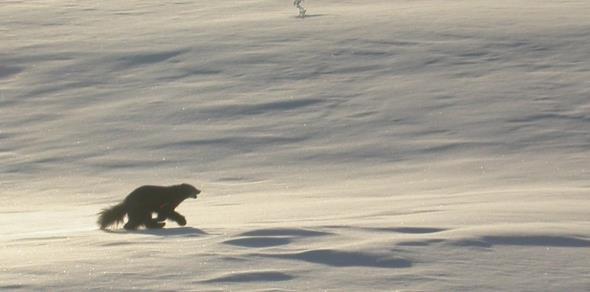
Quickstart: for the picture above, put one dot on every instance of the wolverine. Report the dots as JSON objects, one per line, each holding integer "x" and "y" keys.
{"x": 140, "y": 204}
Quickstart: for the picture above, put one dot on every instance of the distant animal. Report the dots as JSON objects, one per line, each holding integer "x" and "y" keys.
{"x": 140, "y": 204}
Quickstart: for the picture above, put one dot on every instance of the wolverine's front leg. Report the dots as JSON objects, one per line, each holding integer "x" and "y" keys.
{"x": 178, "y": 218}
{"x": 172, "y": 215}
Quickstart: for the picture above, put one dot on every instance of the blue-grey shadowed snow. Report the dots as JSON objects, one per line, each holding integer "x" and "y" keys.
{"x": 425, "y": 242}
{"x": 524, "y": 240}
{"x": 409, "y": 230}
{"x": 272, "y": 237}
{"x": 44, "y": 238}
{"x": 182, "y": 74}
{"x": 146, "y": 58}
{"x": 284, "y": 232}
{"x": 230, "y": 142}
{"x": 337, "y": 258}
{"x": 416, "y": 230}
{"x": 15, "y": 287}
{"x": 7, "y": 71}
{"x": 121, "y": 243}
{"x": 259, "y": 276}
{"x": 258, "y": 241}
{"x": 266, "y": 108}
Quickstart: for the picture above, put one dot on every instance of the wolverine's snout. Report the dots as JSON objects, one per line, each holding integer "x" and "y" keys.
{"x": 194, "y": 195}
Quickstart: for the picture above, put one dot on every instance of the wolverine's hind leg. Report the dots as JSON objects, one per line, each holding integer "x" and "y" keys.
{"x": 136, "y": 218}
{"x": 152, "y": 223}
{"x": 132, "y": 224}
{"x": 162, "y": 216}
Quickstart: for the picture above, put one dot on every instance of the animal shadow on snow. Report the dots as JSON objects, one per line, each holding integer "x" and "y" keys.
{"x": 164, "y": 232}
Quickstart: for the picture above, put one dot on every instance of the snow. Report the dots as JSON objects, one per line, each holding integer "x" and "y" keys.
{"x": 370, "y": 146}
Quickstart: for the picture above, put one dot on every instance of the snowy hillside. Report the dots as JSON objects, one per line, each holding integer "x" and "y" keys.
{"x": 373, "y": 145}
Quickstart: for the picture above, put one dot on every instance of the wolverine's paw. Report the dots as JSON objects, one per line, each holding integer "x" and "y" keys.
{"x": 181, "y": 221}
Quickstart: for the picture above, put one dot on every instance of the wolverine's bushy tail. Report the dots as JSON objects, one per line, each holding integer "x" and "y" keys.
{"x": 112, "y": 215}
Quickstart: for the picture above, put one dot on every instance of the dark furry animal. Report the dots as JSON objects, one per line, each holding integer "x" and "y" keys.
{"x": 145, "y": 200}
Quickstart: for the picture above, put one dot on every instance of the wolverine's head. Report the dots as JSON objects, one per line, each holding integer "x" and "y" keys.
{"x": 188, "y": 190}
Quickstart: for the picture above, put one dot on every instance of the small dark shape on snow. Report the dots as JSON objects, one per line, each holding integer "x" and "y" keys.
{"x": 145, "y": 200}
